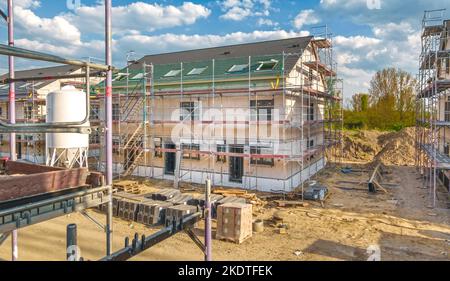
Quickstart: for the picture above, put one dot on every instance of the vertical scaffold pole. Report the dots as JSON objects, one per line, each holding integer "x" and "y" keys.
{"x": 12, "y": 114}
{"x": 108, "y": 121}
{"x": 208, "y": 239}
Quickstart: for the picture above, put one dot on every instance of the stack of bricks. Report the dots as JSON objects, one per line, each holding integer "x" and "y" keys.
{"x": 128, "y": 209}
{"x": 176, "y": 213}
{"x": 152, "y": 212}
{"x": 234, "y": 222}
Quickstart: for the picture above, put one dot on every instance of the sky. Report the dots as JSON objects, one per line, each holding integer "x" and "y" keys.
{"x": 368, "y": 35}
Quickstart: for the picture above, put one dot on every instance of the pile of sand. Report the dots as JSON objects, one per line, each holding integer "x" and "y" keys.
{"x": 361, "y": 146}
{"x": 398, "y": 148}
{"x": 390, "y": 148}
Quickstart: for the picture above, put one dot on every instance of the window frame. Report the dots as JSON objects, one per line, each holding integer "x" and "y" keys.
{"x": 262, "y": 63}
{"x": 176, "y": 71}
{"x": 232, "y": 70}
{"x": 191, "y": 147}
{"x": 195, "y": 71}
{"x": 256, "y": 150}
{"x": 260, "y": 108}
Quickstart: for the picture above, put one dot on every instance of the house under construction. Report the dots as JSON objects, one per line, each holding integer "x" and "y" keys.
{"x": 433, "y": 103}
{"x": 258, "y": 116}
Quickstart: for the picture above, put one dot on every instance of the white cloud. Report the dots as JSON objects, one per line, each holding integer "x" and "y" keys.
{"x": 138, "y": 16}
{"x": 267, "y": 22}
{"x": 305, "y": 17}
{"x": 238, "y": 10}
{"x": 56, "y": 29}
{"x": 392, "y": 45}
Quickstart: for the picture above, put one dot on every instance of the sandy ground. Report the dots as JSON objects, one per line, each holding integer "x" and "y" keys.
{"x": 350, "y": 222}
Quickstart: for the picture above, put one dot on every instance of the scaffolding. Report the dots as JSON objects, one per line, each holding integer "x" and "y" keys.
{"x": 432, "y": 103}
{"x": 161, "y": 110}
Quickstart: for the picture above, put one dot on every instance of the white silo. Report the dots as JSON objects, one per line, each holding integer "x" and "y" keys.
{"x": 67, "y": 149}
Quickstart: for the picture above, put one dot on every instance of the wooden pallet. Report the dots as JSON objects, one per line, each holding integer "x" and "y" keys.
{"x": 231, "y": 240}
{"x": 132, "y": 187}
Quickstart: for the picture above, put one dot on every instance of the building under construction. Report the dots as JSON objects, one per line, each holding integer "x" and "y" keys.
{"x": 433, "y": 104}
{"x": 258, "y": 116}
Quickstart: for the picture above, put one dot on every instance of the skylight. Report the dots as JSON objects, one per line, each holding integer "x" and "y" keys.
{"x": 120, "y": 76}
{"x": 267, "y": 65}
{"x": 238, "y": 68}
{"x": 25, "y": 85}
{"x": 172, "y": 73}
{"x": 138, "y": 76}
{"x": 197, "y": 71}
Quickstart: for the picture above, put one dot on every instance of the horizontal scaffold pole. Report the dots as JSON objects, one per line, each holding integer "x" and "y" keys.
{"x": 53, "y": 77}
{"x": 27, "y": 54}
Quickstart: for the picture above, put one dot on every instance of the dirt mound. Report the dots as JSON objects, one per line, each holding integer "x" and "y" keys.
{"x": 398, "y": 148}
{"x": 392, "y": 148}
{"x": 361, "y": 146}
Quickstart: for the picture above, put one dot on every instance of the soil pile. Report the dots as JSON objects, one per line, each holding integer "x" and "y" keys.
{"x": 398, "y": 148}
{"x": 390, "y": 148}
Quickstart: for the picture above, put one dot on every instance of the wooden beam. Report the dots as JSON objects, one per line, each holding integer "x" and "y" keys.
{"x": 20, "y": 186}
{"x": 14, "y": 167}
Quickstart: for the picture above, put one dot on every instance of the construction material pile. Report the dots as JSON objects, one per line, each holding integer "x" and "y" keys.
{"x": 398, "y": 148}
{"x": 389, "y": 148}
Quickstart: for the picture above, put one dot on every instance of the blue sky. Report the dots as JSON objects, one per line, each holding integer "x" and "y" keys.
{"x": 368, "y": 34}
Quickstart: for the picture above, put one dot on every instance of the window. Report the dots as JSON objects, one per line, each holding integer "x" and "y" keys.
{"x": 158, "y": 146}
{"x": 25, "y": 85}
{"x": 190, "y": 148}
{"x": 447, "y": 149}
{"x": 1, "y": 111}
{"x": 447, "y": 110}
{"x": 310, "y": 143}
{"x": 95, "y": 112}
{"x": 120, "y": 76}
{"x": 188, "y": 111}
{"x": 197, "y": 71}
{"x": 138, "y": 76}
{"x": 258, "y": 150}
{"x": 116, "y": 144}
{"x": 173, "y": 73}
{"x": 28, "y": 112}
{"x": 115, "y": 112}
{"x": 311, "y": 112}
{"x": 222, "y": 148}
{"x": 238, "y": 68}
{"x": 267, "y": 65}
{"x": 1, "y": 139}
{"x": 261, "y": 110}
{"x": 94, "y": 138}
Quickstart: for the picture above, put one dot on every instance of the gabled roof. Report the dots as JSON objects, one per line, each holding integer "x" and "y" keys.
{"x": 292, "y": 45}
{"x": 224, "y": 59}
{"x": 23, "y": 88}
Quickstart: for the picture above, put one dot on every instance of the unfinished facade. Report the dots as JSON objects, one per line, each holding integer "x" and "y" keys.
{"x": 254, "y": 116}
{"x": 433, "y": 104}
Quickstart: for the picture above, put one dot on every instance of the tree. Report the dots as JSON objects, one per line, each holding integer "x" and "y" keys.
{"x": 390, "y": 104}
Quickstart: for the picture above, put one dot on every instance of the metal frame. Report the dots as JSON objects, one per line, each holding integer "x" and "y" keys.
{"x": 433, "y": 89}
{"x": 33, "y": 215}
{"x": 140, "y": 244}
{"x": 16, "y": 215}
